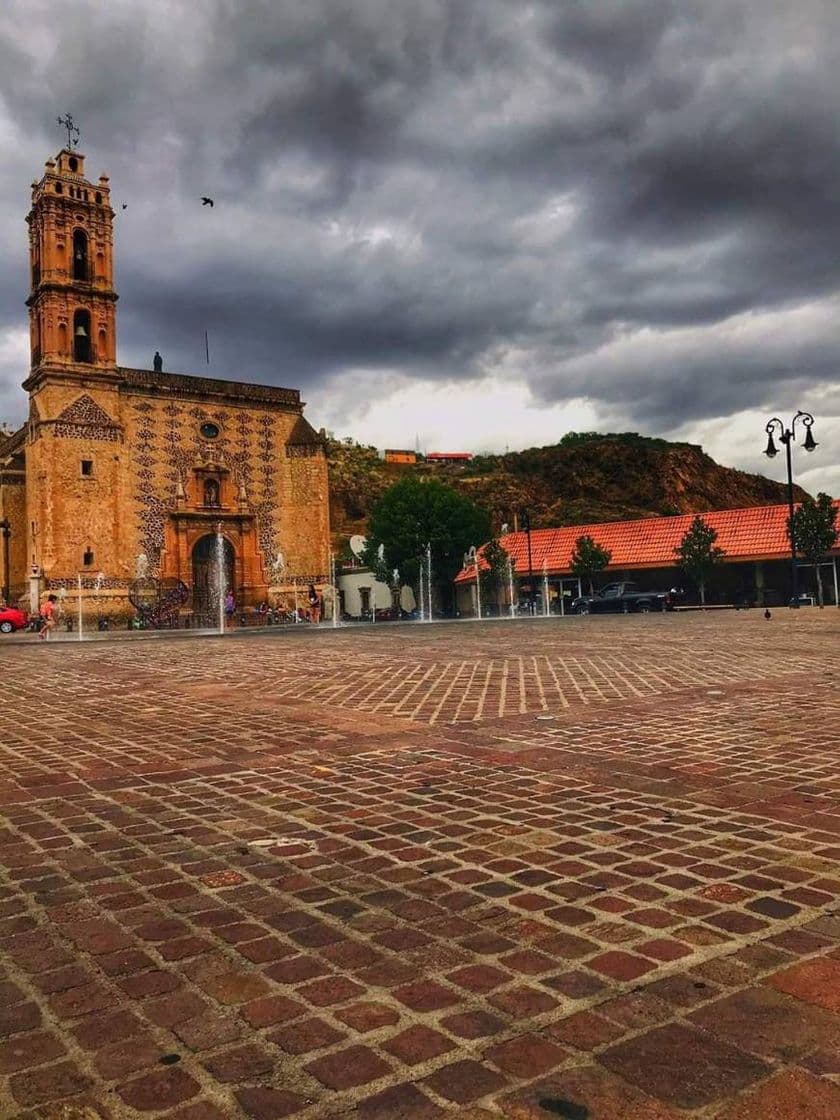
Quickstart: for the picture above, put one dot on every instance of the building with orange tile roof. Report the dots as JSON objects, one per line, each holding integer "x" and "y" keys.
{"x": 449, "y": 457}
{"x": 755, "y": 567}
{"x": 400, "y": 455}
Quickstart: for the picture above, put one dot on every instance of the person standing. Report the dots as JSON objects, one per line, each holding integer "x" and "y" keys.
{"x": 230, "y": 607}
{"x": 48, "y": 619}
{"x": 314, "y": 604}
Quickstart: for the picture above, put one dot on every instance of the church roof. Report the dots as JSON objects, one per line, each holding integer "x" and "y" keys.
{"x": 303, "y": 434}
{"x": 188, "y": 385}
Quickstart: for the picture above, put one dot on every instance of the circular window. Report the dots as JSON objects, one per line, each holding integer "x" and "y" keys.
{"x": 209, "y": 430}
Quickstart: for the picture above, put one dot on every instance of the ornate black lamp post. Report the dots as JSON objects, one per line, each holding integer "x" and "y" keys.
{"x": 526, "y": 525}
{"x": 787, "y": 437}
{"x": 6, "y": 530}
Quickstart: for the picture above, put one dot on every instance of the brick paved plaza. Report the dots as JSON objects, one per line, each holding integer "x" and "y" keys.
{"x": 583, "y": 868}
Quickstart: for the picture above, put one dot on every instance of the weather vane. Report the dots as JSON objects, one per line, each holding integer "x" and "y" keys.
{"x": 67, "y": 122}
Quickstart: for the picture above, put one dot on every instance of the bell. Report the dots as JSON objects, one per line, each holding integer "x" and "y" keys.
{"x": 80, "y": 331}
{"x": 810, "y": 443}
{"x": 771, "y": 450}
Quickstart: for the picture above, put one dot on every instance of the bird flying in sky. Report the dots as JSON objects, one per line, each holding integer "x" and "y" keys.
{"x": 205, "y": 201}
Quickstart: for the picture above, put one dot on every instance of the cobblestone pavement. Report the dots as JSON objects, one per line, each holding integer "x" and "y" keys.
{"x": 583, "y": 868}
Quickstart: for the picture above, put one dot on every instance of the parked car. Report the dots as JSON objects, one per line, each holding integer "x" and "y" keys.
{"x": 622, "y": 598}
{"x": 12, "y": 619}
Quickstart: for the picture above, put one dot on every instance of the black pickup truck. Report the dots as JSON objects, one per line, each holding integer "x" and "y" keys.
{"x": 622, "y": 598}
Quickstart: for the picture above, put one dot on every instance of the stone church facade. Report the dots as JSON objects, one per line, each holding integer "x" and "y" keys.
{"x": 120, "y": 472}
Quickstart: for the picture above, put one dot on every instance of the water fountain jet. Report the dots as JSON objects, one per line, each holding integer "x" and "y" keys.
{"x": 221, "y": 583}
{"x": 429, "y": 579}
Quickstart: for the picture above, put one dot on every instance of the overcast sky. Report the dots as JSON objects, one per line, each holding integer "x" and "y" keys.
{"x": 477, "y": 222}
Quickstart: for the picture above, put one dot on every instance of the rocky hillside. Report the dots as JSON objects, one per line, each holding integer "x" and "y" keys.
{"x": 586, "y": 477}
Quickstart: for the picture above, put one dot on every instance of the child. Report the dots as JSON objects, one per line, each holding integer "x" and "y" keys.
{"x": 47, "y": 613}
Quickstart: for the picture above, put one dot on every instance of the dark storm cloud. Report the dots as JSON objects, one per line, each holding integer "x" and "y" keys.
{"x": 631, "y": 201}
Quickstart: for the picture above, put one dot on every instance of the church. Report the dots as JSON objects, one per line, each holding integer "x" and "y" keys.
{"x": 126, "y": 476}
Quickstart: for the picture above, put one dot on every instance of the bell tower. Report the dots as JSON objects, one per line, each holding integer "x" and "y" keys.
{"x": 75, "y": 434}
{"x": 72, "y": 302}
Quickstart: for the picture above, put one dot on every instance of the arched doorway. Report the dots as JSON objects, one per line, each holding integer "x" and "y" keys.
{"x": 205, "y": 563}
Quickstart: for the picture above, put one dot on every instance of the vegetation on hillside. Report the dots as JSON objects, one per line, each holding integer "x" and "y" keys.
{"x": 586, "y": 477}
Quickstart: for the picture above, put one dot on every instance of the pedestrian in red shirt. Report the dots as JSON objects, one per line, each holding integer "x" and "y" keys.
{"x": 48, "y": 620}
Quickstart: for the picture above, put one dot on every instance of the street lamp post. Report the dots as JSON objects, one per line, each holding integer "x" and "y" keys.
{"x": 787, "y": 437}
{"x": 526, "y": 523}
{"x": 6, "y": 530}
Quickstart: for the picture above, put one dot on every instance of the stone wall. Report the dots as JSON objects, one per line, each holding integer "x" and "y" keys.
{"x": 13, "y": 510}
{"x": 75, "y": 513}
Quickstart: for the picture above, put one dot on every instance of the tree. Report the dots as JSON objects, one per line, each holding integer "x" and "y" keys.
{"x": 496, "y": 576}
{"x": 815, "y": 532}
{"x": 698, "y": 554}
{"x": 415, "y": 512}
{"x": 588, "y": 558}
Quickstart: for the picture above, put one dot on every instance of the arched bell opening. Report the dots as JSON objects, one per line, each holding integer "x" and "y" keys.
{"x": 80, "y": 255}
{"x": 35, "y": 340}
{"x": 81, "y": 337}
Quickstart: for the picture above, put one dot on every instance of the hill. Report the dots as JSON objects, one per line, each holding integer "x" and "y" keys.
{"x": 585, "y": 477}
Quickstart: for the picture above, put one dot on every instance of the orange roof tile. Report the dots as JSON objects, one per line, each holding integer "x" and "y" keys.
{"x": 756, "y": 533}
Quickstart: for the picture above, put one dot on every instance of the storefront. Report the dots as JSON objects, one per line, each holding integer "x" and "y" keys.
{"x": 755, "y": 570}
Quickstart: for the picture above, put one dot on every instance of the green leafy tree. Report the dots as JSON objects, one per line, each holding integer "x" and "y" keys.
{"x": 698, "y": 554}
{"x": 415, "y": 512}
{"x": 495, "y": 578}
{"x": 588, "y": 559}
{"x": 815, "y": 532}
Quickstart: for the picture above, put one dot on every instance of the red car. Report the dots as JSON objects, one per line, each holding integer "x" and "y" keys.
{"x": 12, "y": 619}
